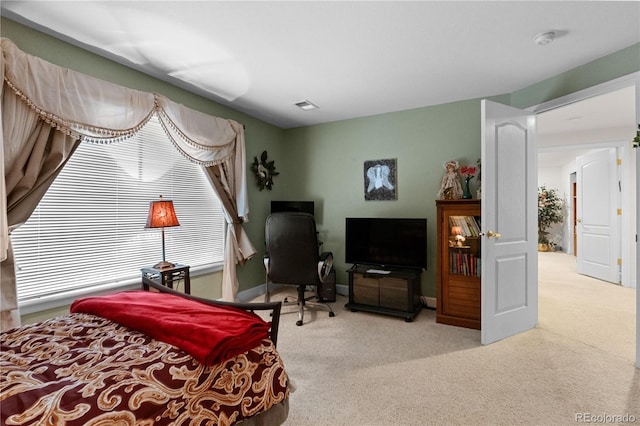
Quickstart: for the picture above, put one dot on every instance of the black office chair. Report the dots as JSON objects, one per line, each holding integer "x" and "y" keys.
{"x": 292, "y": 257}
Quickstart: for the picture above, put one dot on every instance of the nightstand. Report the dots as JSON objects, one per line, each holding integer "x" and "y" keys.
{"x": 167, "y": 277}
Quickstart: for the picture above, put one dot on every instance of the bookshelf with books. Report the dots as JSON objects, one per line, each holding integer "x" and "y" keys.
{"x": 459, "y": 262}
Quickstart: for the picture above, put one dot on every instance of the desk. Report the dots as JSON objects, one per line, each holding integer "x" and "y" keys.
{"x": 167, "y": 277}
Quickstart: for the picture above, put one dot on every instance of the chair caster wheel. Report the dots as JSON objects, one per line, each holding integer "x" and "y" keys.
{"x": 298, "y": 323}
{"x": 331, "y": 314}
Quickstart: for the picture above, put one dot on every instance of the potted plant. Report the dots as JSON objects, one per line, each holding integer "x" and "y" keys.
{"x": 549, "y": 212}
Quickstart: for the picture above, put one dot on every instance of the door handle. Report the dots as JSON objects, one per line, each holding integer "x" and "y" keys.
{"x": 492, "y": 234}
{"x": 579, "y": 221}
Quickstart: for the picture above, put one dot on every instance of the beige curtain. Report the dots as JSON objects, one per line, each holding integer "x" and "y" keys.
{"x": 32, "y": 160}
{"x": 38, "y": 96}
{"x": 224, "y": 161}
{"x": 225, "y": 183}
{"x": 4, "y": 239}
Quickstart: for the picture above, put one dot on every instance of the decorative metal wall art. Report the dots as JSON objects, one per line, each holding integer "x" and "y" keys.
{"x": 264, "y": 170}
{"x": 380, "y": 180}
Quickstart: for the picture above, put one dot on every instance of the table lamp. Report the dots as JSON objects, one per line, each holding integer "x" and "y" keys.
{"x": 457, "y": 232}
{"x": 162, "y": 215}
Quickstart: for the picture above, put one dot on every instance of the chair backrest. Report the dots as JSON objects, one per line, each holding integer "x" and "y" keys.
{"x": 292, "y": 248}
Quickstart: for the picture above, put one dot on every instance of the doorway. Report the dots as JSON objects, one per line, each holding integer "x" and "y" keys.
{"x": 558, "y": 150}
{"x": 568, "y": 132}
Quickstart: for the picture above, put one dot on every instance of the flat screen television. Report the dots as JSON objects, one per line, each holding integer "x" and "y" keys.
{"x": 386, "y": 242}
{"x": 293, "y": 206}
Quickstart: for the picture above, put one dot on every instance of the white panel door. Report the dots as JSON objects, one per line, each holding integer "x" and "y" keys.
{"x": 598, "y": 228}
{"x": 637, "y": 242}
{"x": 509, "y": 222}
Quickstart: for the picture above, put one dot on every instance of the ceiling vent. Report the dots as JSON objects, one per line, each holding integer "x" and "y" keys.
{"x": 306, "y": 105}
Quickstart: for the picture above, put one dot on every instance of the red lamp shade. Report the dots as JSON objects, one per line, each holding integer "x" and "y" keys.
{"x": 162, "y": 215}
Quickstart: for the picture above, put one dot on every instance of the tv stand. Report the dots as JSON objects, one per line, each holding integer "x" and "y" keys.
{"x": 390, "y": 291}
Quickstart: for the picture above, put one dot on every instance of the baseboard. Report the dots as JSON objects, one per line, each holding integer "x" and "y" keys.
{"x": 252, "y": 293}
{"x": 429, "y": 302}
{"x": 342, "y": 289}
{"x": 259, "y": 290}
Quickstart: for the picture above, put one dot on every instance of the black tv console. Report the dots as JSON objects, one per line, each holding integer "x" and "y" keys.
{"x": 385, "y": 291}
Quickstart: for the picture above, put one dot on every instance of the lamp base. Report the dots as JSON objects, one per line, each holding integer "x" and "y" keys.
{"x": 163, "y": 265}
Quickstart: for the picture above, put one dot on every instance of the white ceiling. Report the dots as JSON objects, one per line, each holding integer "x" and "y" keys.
{"x": 610, "y": 110}
{"x": 594, "y": 121}
{"x": 352, "y": 59}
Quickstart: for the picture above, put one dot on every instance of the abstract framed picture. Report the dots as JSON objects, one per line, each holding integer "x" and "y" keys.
{"x": 380, "y": 180}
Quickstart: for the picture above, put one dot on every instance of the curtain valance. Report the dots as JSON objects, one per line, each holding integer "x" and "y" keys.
{"x": 85, "y": 108}
{"x": 95, "y": 110}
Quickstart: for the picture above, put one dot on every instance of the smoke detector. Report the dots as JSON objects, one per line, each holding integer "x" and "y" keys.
{"x": 544, "y": 38}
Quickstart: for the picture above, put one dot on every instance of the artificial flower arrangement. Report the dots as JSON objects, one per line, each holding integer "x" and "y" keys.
{"x": 468, "y": 172}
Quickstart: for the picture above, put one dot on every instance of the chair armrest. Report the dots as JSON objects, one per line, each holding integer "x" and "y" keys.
{"x": 265, "y": 261}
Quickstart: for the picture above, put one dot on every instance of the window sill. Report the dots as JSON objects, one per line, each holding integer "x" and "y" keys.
{"x": 65, "y": 299}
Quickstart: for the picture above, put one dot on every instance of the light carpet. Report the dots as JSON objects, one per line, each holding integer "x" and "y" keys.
{"x": 369, "y": 369}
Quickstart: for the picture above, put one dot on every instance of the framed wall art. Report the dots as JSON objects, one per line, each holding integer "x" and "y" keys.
{"x": 380, "y": 180}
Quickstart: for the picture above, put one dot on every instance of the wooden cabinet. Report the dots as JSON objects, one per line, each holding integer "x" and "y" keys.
{"x": 396, "y": 292}
{"x": 459, "y": 262}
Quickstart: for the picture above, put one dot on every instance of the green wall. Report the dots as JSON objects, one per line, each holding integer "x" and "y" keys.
{"x": 325, "y": 162}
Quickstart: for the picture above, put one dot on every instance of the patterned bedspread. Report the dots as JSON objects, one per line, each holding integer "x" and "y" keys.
{"x": 82, "y": 369}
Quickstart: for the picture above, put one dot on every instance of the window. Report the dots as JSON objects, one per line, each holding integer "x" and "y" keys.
{"x": 88, "y": 231}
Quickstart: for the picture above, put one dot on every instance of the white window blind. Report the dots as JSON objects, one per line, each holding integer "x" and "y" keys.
{"x": 88, "y": 230}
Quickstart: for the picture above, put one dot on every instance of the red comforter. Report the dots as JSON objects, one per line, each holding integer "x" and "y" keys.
{"x": 211, "y": 334}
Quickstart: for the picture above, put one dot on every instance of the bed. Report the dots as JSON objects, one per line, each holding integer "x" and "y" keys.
{"x": 143, "y": 357}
